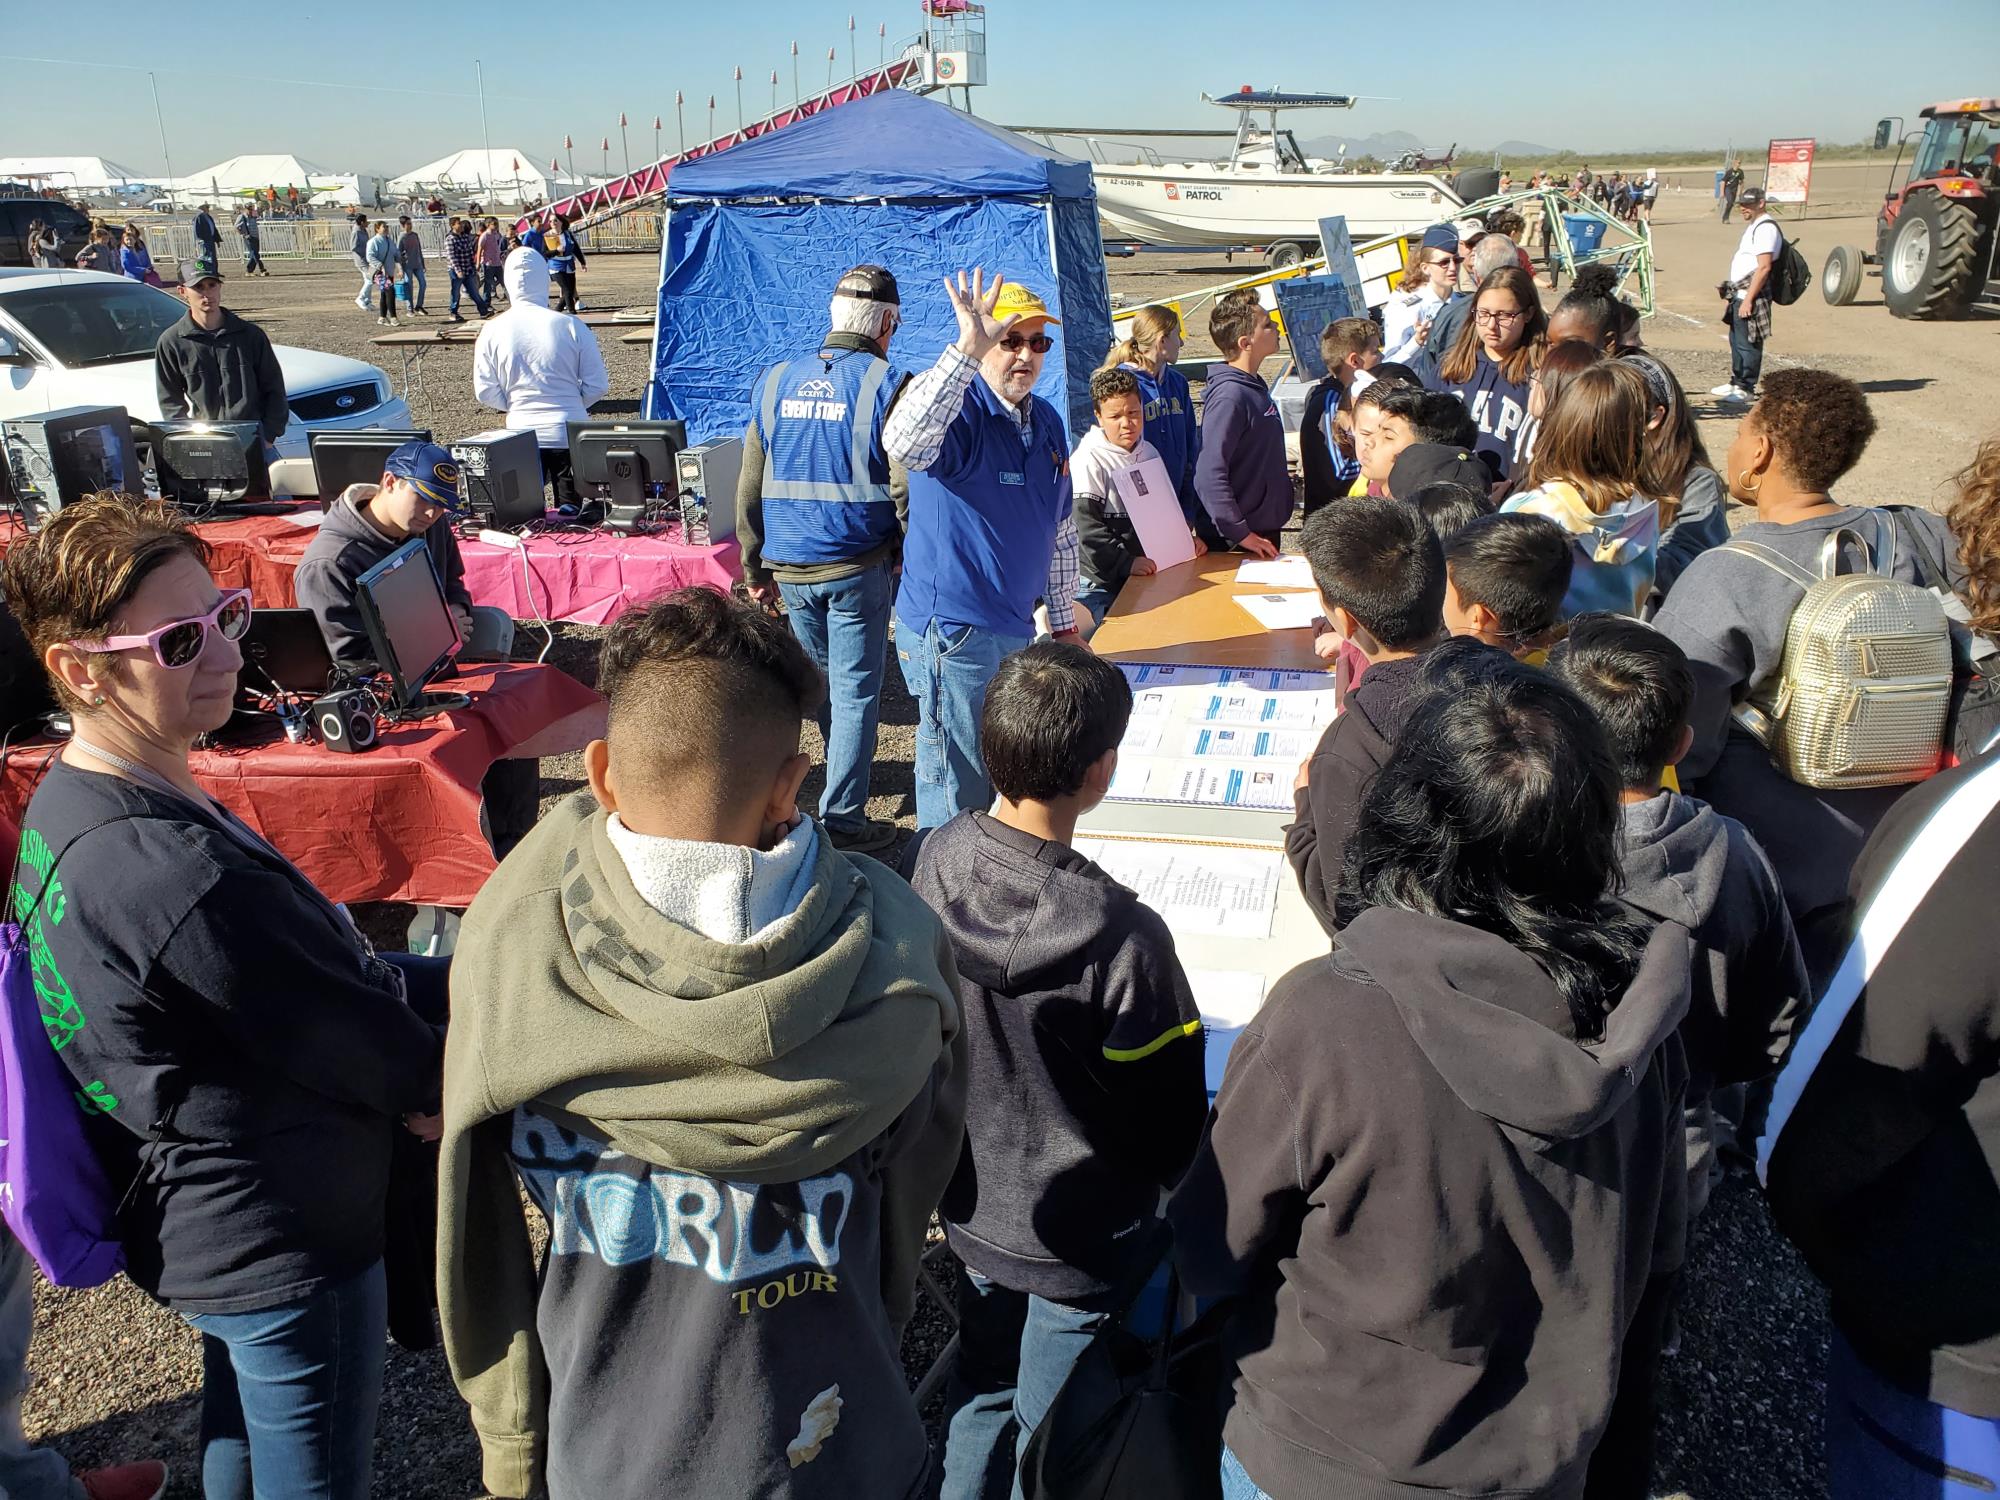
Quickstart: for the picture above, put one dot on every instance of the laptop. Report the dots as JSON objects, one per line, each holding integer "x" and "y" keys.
{"x": 284, "y": 647}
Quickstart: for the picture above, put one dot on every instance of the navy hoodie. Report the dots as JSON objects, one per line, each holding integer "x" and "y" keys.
{"x": 1085, "y": 1092}
{"x": 1240, "y": 472}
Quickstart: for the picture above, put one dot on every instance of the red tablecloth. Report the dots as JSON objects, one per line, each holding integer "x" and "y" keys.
{"x": 396, "y": 823}
{"x": 590, "y": 578}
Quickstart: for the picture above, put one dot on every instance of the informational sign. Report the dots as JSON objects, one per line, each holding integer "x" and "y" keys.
{"x": 1788, "y": 171}
{"x": 1306, "y": 304}
{"x": 1338, "y": 247}
{"x": 1155, "y": 512}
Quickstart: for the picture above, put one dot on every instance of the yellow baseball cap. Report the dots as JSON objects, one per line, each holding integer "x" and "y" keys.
{"x": 1017, "y": 301}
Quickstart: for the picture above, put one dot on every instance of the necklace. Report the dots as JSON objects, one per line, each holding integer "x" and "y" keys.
{"x": 145, "y": 775}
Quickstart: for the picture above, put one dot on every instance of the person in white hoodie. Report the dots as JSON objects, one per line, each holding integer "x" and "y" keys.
{"x": 1109, "y": 546}
{"x": 542, "y": 368}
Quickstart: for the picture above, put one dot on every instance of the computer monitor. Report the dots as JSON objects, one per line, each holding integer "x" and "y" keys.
{"x": 61, "y": 457}
{"x": 284, "y": 648}
{"x": 354, "y": 456}
{"x": 201, "y": 465}
{"x": 410, "y": 627}
{"x": 624, "y": 464}
{"x": 500, "y": 475}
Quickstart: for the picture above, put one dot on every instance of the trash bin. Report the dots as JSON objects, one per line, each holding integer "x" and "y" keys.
{"x": 1718, "y": 185}
{"x": 1585, "y": 233}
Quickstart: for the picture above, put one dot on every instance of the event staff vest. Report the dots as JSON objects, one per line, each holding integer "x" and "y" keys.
{"x": 983, "y": 519}
{"x": 826, "y": 478}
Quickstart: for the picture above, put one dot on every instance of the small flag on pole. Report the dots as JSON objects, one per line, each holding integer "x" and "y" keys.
{"x": 621, "y": 119}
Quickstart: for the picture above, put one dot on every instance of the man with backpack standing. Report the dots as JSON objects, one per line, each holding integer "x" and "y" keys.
{"x": 1747, "y": 297}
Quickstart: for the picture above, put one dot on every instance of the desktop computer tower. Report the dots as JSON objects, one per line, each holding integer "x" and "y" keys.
{"x": 708, "y": 472}
{"x": 500, "y": 476}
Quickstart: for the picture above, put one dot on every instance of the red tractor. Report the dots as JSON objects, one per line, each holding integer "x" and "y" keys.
{"x": 1935, "y": 239}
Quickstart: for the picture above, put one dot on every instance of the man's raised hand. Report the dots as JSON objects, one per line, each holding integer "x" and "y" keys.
{"x": 973, "y": 301}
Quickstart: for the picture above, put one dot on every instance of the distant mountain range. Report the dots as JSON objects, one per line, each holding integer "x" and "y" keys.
{"x": 1388, "y": 144}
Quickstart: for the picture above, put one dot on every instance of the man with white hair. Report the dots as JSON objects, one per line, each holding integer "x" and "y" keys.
{"x": 820, "y": 517}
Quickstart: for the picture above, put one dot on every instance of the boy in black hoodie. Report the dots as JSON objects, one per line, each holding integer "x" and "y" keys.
{"x": 1381, "y": 582}
{"x": 1687, "y": 864}
{"x": 1086, "y": 1092}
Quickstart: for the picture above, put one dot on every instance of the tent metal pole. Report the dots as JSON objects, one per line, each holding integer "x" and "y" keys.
{"x": 485, "y": 140}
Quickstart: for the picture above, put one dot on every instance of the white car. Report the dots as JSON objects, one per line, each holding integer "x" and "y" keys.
{"x": 82, "y": 338}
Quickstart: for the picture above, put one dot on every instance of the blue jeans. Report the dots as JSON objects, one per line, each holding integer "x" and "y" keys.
{"x": 470, "y": 283}
{"x": 1237, "y": 1485}
{"x": 25, "y": 1473}
{"x": 947, "y": 668}
{"x": 290, "y": 1393}
{"x": 415, "y": 276}
{"x": 1882, "y": 1443}
{"x": 1746, "y": 360}
{"x": 844, "y": 626}
{"x": 1098, "y": 600}
{"x": 1014, "y": 1353}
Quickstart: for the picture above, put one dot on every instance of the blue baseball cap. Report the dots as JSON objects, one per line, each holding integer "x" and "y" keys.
{"x": 429, "y": 469}
{"x": 1441, "y": 237}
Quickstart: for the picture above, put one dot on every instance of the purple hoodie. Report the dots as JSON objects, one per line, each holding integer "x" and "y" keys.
{"x": 1241, "y": 474}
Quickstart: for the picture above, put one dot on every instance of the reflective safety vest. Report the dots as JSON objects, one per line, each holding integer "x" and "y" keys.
{"x": 826, "y": 478}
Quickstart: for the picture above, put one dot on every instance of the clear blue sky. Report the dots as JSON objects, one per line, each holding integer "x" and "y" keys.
{"x": 288, "y": 75}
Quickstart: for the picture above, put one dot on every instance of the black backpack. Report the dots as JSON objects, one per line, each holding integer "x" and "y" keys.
{"x": 1790, "y": 275}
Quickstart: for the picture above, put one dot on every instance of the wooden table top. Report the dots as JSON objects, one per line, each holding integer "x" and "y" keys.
{"x": 1189, "y": 614}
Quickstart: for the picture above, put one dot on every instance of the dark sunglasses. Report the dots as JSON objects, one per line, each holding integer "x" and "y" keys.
{"x": 1041, "y": 343}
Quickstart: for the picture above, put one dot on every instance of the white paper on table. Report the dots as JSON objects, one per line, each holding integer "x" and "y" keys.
{"x": 1281, "y": 611}
{"x": 1203, "y": 783}
{"x": 306, "y": 518}
{"x": 1288, "y": 745}
{"x": 1143, "y": 735}
{"x": 1301, "y": 708}
{"x": 1196, "y": 888}
{"x": 1289, "y": 572}
{"x": 1229, "y": 1000}
{"x": 1155, "y": 512}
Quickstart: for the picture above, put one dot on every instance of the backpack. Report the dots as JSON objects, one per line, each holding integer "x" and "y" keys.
{"x": 1865, "y": 685}
{"x": 54, "y": 1195}
{"x": 1790, "y": 275}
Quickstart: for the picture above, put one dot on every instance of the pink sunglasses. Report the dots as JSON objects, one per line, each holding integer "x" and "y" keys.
{"x": 179, "y": 643}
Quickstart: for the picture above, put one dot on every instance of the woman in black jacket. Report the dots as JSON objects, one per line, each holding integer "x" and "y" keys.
{"x": 246, "y": 1057}
{"x": 1445, "y": 1157}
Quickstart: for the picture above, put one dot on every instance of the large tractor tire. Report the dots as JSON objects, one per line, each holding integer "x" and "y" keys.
{"x": 1841, "y": 277}
{"x": 1931, "y": 260}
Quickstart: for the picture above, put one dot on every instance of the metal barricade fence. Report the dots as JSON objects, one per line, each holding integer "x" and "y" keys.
{"x": 326, "y": 235}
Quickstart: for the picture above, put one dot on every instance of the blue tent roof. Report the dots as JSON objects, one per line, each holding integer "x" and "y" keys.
{"x": 889, "y": 145}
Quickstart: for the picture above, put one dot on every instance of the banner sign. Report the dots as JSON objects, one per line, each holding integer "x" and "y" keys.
{"x": 1788, "y": 171}
{"x": 1307, "y": 304}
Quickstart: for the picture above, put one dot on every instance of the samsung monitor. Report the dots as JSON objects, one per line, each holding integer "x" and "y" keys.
{"x": 203, "y": 465}
{"x": 354, "y": 456}
{"x": 624, "y": 465}
{"x": 410, "y": 627}
{"x": 284, "y": 649}
{"x": 500, "y": 476}
{"x": 61, "y": 457}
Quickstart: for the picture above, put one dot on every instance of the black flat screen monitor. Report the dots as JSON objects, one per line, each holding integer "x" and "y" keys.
{"x": 622, "y": 461}
{"x": 354, "y": 457}
{"x": 204, "y": 464}
{"x": 284, "y": 648}
{"x": 410, "y": 627}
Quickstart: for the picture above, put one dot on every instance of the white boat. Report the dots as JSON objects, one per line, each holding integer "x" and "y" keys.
{"x": 1268, "y": 192}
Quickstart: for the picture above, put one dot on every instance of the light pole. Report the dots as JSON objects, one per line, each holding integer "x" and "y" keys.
{"x": 569, "y": 154}
{"x": 881, "y": 44}
{"x": 795, "y": 76}
{"x": 829, "y": 70}
{"x": 681, "y": 119}
{"x": 656, "y": 137}
{"x": 853, "y": 68}
{"x": 739, "y": 101}
{"x": 774, "y": 93}
{"x": 485, "y": 140}
{"x": 711, "y": 117}
{"x": 604, "y": 145}
{"x": 624, "y": 144}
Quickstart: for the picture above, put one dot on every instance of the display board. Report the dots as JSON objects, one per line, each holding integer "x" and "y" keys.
{"x": 1219, "y": 736}
{"x": 1788, "y": 171}
{"x": 1306, "y": 304}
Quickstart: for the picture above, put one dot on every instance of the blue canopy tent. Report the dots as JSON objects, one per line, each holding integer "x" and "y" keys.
{"x": 758, "y": 235}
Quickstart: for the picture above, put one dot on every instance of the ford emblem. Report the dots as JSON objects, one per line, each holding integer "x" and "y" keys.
{"x": 343, "y": 401}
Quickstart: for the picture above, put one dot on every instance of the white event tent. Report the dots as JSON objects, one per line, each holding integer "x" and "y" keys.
{"x": 239, "y": 176}
{"x": 503, "y": 175}
{"x": 83, "y": 175}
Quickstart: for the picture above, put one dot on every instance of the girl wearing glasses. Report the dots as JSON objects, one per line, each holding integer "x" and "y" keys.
{"x": 1489, "y": 363}
{"x": 246, "y": 1057}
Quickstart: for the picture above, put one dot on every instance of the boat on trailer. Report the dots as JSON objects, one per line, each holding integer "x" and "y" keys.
{"x": 1268, "y": 192}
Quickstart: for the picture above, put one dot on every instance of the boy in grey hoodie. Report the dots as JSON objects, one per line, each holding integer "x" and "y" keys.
{"x": 1686, "y": 864}
{"x": 726, "y": 1061}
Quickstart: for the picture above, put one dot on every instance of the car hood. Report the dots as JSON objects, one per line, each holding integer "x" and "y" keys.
{"x": 130, "y": 383}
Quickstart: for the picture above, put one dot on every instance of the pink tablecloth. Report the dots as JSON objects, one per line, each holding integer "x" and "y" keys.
{"x": 592, "y": 578}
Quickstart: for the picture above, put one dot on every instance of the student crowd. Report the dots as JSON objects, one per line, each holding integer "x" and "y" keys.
{"x": 1587, "y": 944}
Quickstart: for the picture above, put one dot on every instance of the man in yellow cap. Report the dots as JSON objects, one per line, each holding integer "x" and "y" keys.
{"x": 990, "y": 530}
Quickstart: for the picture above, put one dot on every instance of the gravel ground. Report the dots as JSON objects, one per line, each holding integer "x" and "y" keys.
{"x": 117, "y": 1377}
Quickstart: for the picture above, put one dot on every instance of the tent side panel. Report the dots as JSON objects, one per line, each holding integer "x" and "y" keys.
{"x": 744, "y": 286}
{"x": 1086, "y": 303}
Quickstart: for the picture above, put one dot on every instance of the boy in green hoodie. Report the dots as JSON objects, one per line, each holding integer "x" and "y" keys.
{"x": 726, "y": 1061}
